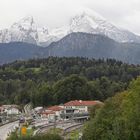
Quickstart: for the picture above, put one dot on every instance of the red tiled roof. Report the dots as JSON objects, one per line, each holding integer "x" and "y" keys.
{"x": 55, "y": 108}
{"x": 47, "y": 112}
{"x": 90, "y": 103}
{"x": 73, "y": 103}
{"x": 81, "y": 103}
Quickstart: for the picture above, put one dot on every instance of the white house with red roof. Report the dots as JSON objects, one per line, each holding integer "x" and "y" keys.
{"x": 52, "y": 113}
{"x": 10, "y": 109}
{"x": 68, "y": 110}
{"x": 78, "y": 108}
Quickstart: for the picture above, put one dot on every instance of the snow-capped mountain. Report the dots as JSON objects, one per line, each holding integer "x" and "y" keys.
{"x": 85, "y": 21}
{"x": 27, "y": 31}
{"x": 23, "y": 31}
{"x": 90, "y": 22}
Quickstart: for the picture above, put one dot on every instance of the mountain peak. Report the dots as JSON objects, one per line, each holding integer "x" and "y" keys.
{"x": 88, "y": 21}
{"x": 86, "y": 12}
{"x": 25, "y": 23}
{"x": 28, "y": 19}
{"x": 85, "y": 21}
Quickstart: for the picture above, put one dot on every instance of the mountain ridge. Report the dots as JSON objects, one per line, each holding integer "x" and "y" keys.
{"x": 85, "y": 21}
{"x": 73, "y": 45}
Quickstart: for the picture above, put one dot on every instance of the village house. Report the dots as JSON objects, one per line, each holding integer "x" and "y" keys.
{"x": 78, "y": 108}
{"x": 69, "y": 110}
{"x": 13, "y": 111}
{"x": 38, "y": 109}
{"x": 10, "y": 109}
{"x": 52, "y": 113}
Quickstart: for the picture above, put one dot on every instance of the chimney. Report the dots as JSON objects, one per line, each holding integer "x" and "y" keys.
{"x": 80, "y": 101}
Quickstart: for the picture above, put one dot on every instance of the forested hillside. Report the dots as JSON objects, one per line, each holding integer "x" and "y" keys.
{"x": 57, "y": 80}
{"x": 118, "y": 119}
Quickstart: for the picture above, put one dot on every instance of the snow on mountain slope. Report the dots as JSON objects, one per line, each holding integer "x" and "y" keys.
{"x": 85, "y": 21}
{"x": 42, "y": 34}
{"x": 27, "y": 31}
{"x": 23, "y": 31}
{"x": 90, "y": 22}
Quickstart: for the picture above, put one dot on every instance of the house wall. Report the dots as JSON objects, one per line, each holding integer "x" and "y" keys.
{"x": 12, "y": 111}
{"x": 51, "y": 117}
{"x": 58, "y": 114}
{"x": 78, "y": 109}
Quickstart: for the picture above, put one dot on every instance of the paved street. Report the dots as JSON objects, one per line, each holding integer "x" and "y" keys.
{"x": 5, "y": 129}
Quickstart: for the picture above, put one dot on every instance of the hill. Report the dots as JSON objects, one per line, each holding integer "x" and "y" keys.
{"x": 57, "y": 80}
{"x": 73, "y": 45}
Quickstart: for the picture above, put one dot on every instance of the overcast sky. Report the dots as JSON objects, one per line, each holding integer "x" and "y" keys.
{"x": 54, "y": 13}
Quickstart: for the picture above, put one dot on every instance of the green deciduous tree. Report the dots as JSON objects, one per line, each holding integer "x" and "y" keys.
{"x": 119, "y": 118}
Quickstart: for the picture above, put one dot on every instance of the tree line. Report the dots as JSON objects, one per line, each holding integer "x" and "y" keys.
{"x": 57, "y": 80}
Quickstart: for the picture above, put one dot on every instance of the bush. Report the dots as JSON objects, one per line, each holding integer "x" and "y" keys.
{"x": 43, "y": 137}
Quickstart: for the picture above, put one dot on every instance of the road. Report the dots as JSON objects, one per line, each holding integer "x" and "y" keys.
{"x": 6, "y": 129}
